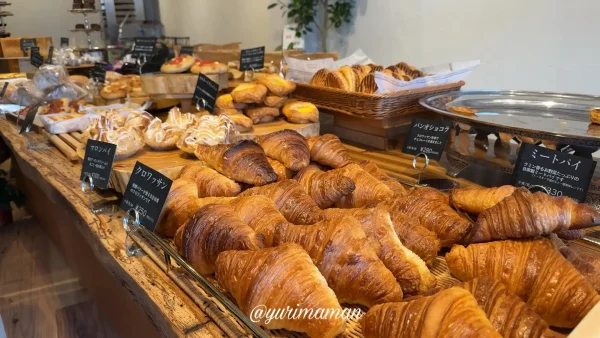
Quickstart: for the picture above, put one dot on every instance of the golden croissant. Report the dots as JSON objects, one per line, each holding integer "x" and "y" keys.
{"x": 325, "y": 188}
{"x": 410, "y": 270}
{"x": 209, "y": 182}
{"x": 587, "y": 265}
{"x": 214, "y": 228}
{"x": 183, "y": 191}
{"x": 282, "y": 172}
{"x": 341, "y": 251}
{"x": 260, "y": 213}
{"x": 475, "y": 201}
{"x": 429, "y": 194}
{"x": 433, "y": 214}
{"x": 278, "y": 279}
{"x": 244, "y": 161}
{"x": 509, "y": 315}
{"x": 368, "y": 190}
{"x": 293, "y": 202}
{"x": 532, "y": 270}
{"x": 524, "y": 215}
{"x": 328, "y": 150}
{"x": 286, "y": 146}
{"x": 379, "y": 174}
{"x": 451, "y": 313}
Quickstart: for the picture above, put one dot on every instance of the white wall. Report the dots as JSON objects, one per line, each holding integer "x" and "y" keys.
{"x": 534, "y": 44}
{"x": 48, "y": 18}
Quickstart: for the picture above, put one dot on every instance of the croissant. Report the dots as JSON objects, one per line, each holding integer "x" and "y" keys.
{"x": 244, "y": 161}
{"x": 532, "y": 270}
{"x": 291, "y": 200}
{"x": 430, "y": 194}
{"x": 523, "y": 215}
{"x": 328, "y": 150}
{"x": 215, "y": 228}
{"x": 368, "y": 191}
{"x": 410, "y": 270}
{"x": 183, "y": 210}
{"x": 282, "y": 172}
{"x": 182, "y": 192}
{"x": 341, "y": 251}
{"x": 451, "y": 313}
{"x": 250, "y": 277}
{"x": 571, "y": 234}
{"x": 260, "y": 213}
{"x": 583, "y": 262}
{"x": 209, "y": 182}
{"x": 509, "y": 315}
{"x": 325, "y": 188}
{"x": 418, "y": 239}
{"x": 433, "y": 214}
{"x": 286, "y": 146}
{"x": 379, "y": 174}
{"x": 475, "y": 201}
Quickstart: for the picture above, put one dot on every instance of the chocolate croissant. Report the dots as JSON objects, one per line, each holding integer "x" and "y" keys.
{"x": 244, "y": 161}
{"x": 260, "y": 213}
{"x": 293, "y": 202}
{"x": 410, "y": 270}
{"x": 524, "y": 215}
{"x": 214, "y": 228}
{"x": 341, "y": 251}
{"x": 476, "y": 201}
{"x": 325, "y": 188}
{"x": 209, "y": 182}
{"x": 532, "y": 270}
{"x": 368, "y": 190}
{"x": 286, "y": 146}
{"x": 451, "y": 313}
{"x": 328, "y": 150}
{"x": 251, "y": 276}
{"x": 379, "y": 174}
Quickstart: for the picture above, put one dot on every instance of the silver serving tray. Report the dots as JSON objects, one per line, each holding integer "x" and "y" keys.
{"x": 556, "y": 117}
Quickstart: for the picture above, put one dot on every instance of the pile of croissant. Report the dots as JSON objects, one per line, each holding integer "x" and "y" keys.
{"x": 285, "y": 221}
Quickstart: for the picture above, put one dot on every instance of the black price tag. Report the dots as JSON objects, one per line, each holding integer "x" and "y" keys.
{"x": 36, "y": 60}
{"x": 560, "y": 173}
{"x": 98, "y": 162}
{"x": 189, "y": 50}
{"x": 427, "y": 137}
{"x": 146, "y": 192}
{"x": 27, "y": 44}
{"x": 64, "y": 42}
{"x": 50, "y": 54}
{"x": 144, "y": 46}
{"x": 34, "y": 50}
{"x": 206, "y": 89}
{"x": 3, "y": 90}
{"x": 29, "y": 117}
{"x": 99, "y": 72}
{"x": 252, "y": 59}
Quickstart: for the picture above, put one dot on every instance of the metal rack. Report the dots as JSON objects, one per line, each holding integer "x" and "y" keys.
{"x": 3, "y": 32}
{"x": 87, "y": 30}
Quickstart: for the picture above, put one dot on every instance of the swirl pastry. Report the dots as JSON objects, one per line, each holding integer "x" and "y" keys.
{"x": 115, "y": 118}
{"x": 128, "y": 139}
{"x": 209, "y": 129}
{"x": 138, "y": 119}
{"x": 162, "y": 136}
{"x": 181, "y": 120}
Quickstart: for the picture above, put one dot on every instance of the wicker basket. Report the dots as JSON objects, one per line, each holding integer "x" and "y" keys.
{"x": 373, "y": 106}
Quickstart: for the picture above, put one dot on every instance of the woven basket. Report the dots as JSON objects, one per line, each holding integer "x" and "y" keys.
{"x": 373, "y": 106}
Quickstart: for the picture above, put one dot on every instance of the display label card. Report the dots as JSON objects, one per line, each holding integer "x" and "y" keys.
{"x": 36, "y": 60}
{"x": 3, "y": 90}
{"x": 146, "y": 192}
{"x": 144, "y": 46}
{"x": 189, "y": 50}
{"x": 99, "y": 72}
{"x": 29, "y": 117}
{"x": 206, "y": 89}
{"x": 428, "y": 137}
{"x": 27, "y": 44}
{"x": 252, "y": 59}
{"x": 64, "y": 42}
{"x": 50, "y": 54}
{"x": 560, "y": 173}
{"x": 34, "y": 50}
{"x": 98, "y": 162}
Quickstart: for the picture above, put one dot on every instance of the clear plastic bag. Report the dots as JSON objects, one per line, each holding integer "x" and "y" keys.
{"x": 50, "y": 76}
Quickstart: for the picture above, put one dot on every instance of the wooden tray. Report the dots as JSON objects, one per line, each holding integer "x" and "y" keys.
{"x": 373, "y": 106}
{"x": 177, "y": 85}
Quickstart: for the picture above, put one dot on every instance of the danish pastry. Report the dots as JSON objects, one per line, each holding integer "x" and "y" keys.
{"x": 249, "y": 93}
{"x": 275, "y": 101}
{"x": 301, "y": 112}
{"x": 226, "y": 102}
{"x": 277, "y": 85}
{"x": 262, "y": 114}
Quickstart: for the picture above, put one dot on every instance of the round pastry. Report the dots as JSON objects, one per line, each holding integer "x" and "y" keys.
{"x": 182, "y": 121}
{"x": 128, "y": 140}
{"x": 595, "y": 115}
{"x": 301, "y": 112}
{"x": 209, "y": 67}
{"x": 115, "y": 119}
{"x": 262, "y": 114}
{"x": 137, "y": 92}
{"x": 112, "y": 76}
{"x": 210, "y": 130}
{"x": 274, "y": 101}
{"x": 226, "y": 102}
{"x": 139, "y": 120}
{"x": 277, "y": 85}
{"x": 80, "y": 80}
{"x": 114, "y": 90}
{"x": 249, "y": 93}
{"x": 162, "y": 136}
{"x": 180, "y": 64}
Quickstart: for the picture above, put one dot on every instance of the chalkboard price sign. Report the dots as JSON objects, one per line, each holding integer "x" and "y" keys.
{"x": 428, "y": 137}
{"x": 562, "y": 174}
{"x": 34, "y": 50}
{"x": 98, "y": 162}
{"x": 50, "y": 54}
{"x": 146, "y": 192}
{"x": 144, "y": 46}
{"x": 189, "y": 50}
{"x": 252, "y": 59}
{"x": 27, "y": 44}
{"x": 207, "y": 90}
{"x": 99, "y": 72}
{"x": 36, "y": 60}
{"x": 64, "y": 42}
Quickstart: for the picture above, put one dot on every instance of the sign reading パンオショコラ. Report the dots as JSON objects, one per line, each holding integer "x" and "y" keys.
{"x": 428, "y": 137}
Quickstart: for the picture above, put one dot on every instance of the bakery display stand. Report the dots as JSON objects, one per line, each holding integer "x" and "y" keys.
{"x": 3, "y": 14}
{"x": 87, "y": 28}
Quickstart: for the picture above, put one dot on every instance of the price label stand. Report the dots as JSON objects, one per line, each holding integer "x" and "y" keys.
{"x": 103, "y": 206}
{"x": 23, "y": 126}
